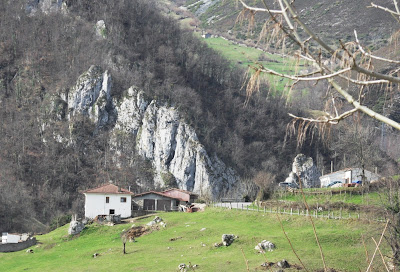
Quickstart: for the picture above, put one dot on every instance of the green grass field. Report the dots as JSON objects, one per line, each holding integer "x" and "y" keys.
{"x": 340, "y": 239}
{"x": 345, "y": 197}
{"x": 245, "y": 56}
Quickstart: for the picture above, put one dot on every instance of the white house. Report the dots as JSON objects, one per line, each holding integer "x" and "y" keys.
{"x": 8, "y": 238}
{"x": 347, "y": 175}
{"x": 107, "y": 200}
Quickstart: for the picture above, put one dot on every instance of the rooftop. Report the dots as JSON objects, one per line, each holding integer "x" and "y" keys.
{"x": 108, "y": 189}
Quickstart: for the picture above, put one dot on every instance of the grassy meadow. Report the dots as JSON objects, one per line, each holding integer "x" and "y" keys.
{"x": 340, "y": 239}
{"x": 245, "y": 56}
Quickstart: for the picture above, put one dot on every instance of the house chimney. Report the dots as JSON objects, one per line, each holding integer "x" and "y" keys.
{"x": 119, "y": 189}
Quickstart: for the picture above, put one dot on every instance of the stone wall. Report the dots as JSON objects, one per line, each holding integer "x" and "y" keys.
{"x": 19, "y": 246}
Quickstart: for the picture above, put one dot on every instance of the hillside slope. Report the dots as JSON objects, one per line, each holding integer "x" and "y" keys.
{"x": 190, "y": 238}
{"x": 332, "y": 20}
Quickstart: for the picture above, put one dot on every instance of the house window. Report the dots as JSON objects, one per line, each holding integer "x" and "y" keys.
{"x": 112, "y": 211}
{"x": 123, "y": 199}
{"x": 107, "y": 199}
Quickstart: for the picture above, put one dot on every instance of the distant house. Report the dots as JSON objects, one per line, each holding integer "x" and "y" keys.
{"x": 108, "y": 200}
{"x": 160, "y": 201}
{"x": 348, "y": 175}
{"x": 9, "y": 238}
{"x": 11, "y": 242}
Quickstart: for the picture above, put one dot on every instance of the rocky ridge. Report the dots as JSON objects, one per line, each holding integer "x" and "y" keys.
{"x": 160, "y": 133}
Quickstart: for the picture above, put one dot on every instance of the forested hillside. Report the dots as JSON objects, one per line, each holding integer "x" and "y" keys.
{"x": 43, "y": 52}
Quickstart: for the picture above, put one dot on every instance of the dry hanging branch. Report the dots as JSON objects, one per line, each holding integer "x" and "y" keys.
{"x": 355, "y": 63}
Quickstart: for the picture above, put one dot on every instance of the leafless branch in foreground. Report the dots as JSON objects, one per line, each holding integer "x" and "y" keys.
{"x": 349, "y": 62}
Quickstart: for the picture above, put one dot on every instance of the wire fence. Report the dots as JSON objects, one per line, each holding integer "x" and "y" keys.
{"x": 336, "y": 214}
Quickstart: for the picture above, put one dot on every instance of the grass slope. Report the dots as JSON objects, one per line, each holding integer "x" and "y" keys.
{"x": 245, "y": 56}
{"x": 341, "y": 242}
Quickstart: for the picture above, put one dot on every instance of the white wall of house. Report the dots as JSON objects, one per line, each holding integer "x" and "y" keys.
{"x": 95, "y": 204}
{"x": 347, "y": 175}
{"x": 7, "y": 238}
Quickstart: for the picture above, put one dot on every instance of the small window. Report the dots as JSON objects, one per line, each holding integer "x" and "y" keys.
{"x": 112, "y": 211}
{"x": 107, "y": 199}
{"x": 123, "y": 199}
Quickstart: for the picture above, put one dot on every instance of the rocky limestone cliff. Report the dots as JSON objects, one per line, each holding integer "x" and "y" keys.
{"x": 304, "y": 168}
{"x": 160, "y": 133}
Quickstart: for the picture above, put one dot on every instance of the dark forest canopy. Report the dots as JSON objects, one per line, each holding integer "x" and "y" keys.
{"x": 42, "y": 54}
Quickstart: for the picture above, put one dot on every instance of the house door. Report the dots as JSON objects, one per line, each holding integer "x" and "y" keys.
{"x": 163, "y": 205}
{"x": 149, "y": 204}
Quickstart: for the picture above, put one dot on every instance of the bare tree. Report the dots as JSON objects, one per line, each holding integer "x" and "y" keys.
{"x": 348, "y": 68}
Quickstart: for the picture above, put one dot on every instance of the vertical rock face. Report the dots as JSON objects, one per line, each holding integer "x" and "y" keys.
{"x": 91, "y": 96}
{"x": 161, "y": 136}
{"x": 304, "y": 168}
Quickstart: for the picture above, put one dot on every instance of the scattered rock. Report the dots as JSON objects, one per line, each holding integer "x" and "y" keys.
{"x": 182, "y": 267}
{"x": 163, "y": 224}
{"x": 96, "y": 255}
{"x": 265, "y": 246}
{"x": 156, "y": 220}
{"x": 218, "y": 244}
{"x": 203, "y": 245}
{"x": 203, "y": 229}
{"x": 29, "y": 251}
{"x": 227, "y": 239}
{"x": 175, "y": 238}
{"x": 283, "y": 264}
{"x": 101, "y": 30}
{"x": 267, "y": 264}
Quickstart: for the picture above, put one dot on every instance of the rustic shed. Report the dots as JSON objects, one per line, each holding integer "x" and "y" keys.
{"x": 154, "y": 201}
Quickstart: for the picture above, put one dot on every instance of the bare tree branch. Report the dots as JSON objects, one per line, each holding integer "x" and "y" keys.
{"x": 348, "y": 56}
{"x": 372, "y": 56}
{"x": 383, "y": 8}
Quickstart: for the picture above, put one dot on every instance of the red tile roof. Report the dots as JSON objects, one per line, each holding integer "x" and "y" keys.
{"x": 108, "y": 189}
{"x": 154, "y": 192}
{"x": 180, "y": 190}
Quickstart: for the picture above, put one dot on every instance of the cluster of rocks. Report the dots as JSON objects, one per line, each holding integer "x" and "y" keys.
{"x": 227, "y": 240}
{"x": 281, "y": 264}
{"x": 265, "y": 246}
{"x": 183, "y": 267}
{"x": 157, "y": 220}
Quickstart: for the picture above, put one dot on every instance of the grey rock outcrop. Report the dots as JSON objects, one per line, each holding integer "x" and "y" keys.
{"x": 265, "y": 246}
{"x": 227, "y": 239}
{"x": 75, "y": 226}
{"x": 304, "y": 168}
{"x": 159, "y": 132}
{"x": 91, "y": 96}
{"x": 178, "y": 157}
{"x": 45, "y": 6}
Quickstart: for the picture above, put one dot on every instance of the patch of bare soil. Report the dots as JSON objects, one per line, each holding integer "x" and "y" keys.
{"x": 138, "y": 231}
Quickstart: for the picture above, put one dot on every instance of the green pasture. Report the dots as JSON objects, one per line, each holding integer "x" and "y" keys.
{"x": 245, "y": 56}
{"x": 182, "y": 241}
